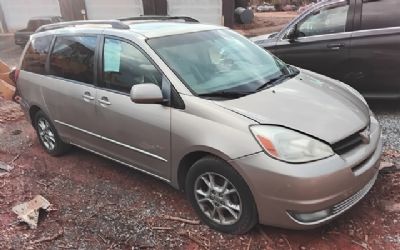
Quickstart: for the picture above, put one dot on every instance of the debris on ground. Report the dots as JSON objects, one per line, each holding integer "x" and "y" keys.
{"x": 5, "y": 71}
{"x": 385, "y": 164}
{"x": 390, "y": 206}
{"x": 49, "y": 238}
{"x": 9, "y": 111}
{"x": 4, "y": 166}
{"x": 201, "y": 241}
{"x": 7, "y": 89}
{"x": 28, "y": 212}
{"x": 193, "y": 222}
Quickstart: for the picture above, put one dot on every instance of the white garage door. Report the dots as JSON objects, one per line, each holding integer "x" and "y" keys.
{"x": 112, "y": 9}
{"x": 206, "y": 11}
{"x": 18, "y": 12}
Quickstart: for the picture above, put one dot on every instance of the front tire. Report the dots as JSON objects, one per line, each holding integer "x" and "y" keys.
{"x": 220, "y": 196}
{"x": 48, "y": 136}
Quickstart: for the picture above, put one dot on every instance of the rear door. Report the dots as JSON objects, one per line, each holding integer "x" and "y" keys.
{"x": 323, "y": 39}
{"x": 375, "y": 49}
{"x": 136, "y": 134}
{"x": 69, "y": 91}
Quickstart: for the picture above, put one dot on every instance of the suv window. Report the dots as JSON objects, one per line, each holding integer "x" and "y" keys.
{"x": 327, "y": 20}
{"x": 380, "y": 14}
{"x": 36, "y": 55}
{"x": 73, "y": 58}
{"x": 125, "y": 65}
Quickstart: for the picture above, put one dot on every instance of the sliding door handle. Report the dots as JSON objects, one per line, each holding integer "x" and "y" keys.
{"x": 335, "y": 46}
{"x": 104, "y": 100}
{"x": 87, "y": 96}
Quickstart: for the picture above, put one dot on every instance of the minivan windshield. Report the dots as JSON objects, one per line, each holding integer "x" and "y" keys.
{"x": 220, "y": 62}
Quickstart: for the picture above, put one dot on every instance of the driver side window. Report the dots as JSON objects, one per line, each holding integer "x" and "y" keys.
{"x": 328, "y": 20}
{"x": 124, "y": 65}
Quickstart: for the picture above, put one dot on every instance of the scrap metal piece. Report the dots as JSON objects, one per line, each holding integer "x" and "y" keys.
{"x": 28, "y": 212}
{"x": 5, "y": 167}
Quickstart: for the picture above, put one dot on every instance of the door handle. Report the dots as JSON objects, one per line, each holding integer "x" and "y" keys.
{"x": 104, "y": 100}
{"x": 335, "y": 46}
{"x": 87, "y": 96}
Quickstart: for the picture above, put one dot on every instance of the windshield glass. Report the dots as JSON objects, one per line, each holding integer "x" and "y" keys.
{"x": 218, "y": 60}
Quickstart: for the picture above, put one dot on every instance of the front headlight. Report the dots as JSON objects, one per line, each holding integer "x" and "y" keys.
{"x": 290, "y": 146}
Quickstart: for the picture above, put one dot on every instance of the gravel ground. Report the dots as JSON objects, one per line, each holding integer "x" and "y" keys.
{"x": 388, "y": 113}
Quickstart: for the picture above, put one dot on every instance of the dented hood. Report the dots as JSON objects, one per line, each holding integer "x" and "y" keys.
{"x": 311, "y": 103}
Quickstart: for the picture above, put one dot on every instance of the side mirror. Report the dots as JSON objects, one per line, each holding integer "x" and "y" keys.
{"x": 146, "y": 93}
{"x": 292, "y": 34}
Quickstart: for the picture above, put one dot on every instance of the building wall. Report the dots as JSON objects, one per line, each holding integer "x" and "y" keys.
{"x": 112, "y": 9}
{"x": 18, "y": 12}
{"x": 206, "y": 11}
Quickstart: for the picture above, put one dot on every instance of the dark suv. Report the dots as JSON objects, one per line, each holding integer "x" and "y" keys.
{"x": 355, "y": 41}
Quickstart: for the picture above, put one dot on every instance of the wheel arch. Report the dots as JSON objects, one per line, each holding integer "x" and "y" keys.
{"x": 32, "y": 112}
{"x": 190, "y": 158}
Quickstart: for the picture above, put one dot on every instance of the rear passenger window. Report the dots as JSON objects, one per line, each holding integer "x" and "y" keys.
{"x": 35, "y": 57}
{"x": 380, "y": 14}
{"x": 124, "y": 65}
{"x": 73, "y": 58}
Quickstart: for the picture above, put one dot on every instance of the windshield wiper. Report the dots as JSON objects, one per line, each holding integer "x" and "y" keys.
{"x": 278, "y": 79}
{"x": 225, "y": 94}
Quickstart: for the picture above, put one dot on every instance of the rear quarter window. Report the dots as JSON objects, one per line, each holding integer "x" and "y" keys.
{"x": 73, "y": 58}
{"x": 380, "y": 14}
{"x": 36, "y": 55}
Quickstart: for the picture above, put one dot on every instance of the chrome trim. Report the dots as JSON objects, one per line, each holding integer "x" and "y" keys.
{"x": 338, "y": 35}
{"x": 374, "y": 32}
{"x": 113, "y": 141}
{"x": 121, "y": 162}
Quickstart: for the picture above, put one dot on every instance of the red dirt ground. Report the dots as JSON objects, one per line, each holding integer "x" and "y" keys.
{"x": 99, "y": 204}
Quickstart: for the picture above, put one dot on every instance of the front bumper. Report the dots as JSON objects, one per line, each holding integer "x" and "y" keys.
{"x": 282, "y": 191}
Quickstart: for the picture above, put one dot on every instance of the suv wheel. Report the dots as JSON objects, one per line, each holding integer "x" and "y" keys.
{"x": 220, "y": 196}
{"x": 48, "y": 135}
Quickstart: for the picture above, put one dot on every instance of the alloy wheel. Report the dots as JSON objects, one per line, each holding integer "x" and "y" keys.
{"x": 46, "y": 134}
{"x": 218, "y": 199}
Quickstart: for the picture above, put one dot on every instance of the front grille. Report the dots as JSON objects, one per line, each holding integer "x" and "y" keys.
{"x": 347, "y": 144}
{"x": 349, "y": 202}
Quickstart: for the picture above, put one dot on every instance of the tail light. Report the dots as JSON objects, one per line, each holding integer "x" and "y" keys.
{"x": 14, "y": 74}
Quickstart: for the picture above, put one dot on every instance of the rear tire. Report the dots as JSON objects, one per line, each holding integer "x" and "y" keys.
{"x": 229, "y": 206}
{"x": 48, "y": 136}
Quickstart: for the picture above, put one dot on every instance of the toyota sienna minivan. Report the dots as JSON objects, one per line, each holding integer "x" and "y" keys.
{"x": 249, "y": 138}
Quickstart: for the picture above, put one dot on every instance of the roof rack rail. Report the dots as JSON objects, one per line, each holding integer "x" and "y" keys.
{"x": 160, "y": 18}
{"x": 115, "y": 24}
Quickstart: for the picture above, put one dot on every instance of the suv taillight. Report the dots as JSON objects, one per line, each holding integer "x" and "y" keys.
{"x": 14, "y": 74}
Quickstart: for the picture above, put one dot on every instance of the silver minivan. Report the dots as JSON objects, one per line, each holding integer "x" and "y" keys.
{"x": 249, "y": 138}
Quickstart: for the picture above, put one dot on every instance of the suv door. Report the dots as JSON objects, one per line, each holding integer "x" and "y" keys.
{"x": 136, "y": 134}
{"x": 321, "y": 40}
{"x": 69, "y": 91}
{"x": 375, "y": 49}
